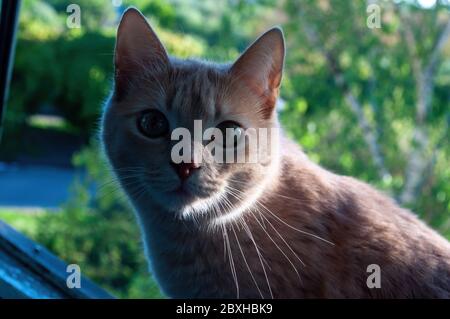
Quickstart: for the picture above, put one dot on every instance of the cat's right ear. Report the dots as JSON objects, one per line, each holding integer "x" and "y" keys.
{"x": 137, "y": 47}
{"x": 261, "y": 66}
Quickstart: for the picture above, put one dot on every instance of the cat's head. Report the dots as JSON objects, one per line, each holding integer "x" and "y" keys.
{"x": 154, "y": 94}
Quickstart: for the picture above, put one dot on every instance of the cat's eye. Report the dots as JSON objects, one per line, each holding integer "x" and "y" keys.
{"x": 153, "y": 124}
{"x": 232, "y": 133}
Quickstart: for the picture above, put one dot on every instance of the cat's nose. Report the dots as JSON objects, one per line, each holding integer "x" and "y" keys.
{"x": 184, "y": 170}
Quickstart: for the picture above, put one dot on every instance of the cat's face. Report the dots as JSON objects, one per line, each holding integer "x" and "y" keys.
{"x": 155, "y": 94}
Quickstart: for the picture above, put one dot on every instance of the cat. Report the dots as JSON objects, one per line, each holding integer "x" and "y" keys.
{"x": 281, "y": 228}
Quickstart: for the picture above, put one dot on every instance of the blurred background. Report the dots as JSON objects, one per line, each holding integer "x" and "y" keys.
{"x": 366, "y": 92}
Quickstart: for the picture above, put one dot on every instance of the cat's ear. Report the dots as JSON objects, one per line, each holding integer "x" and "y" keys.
{"x": 261, "y": 64}
{"x": 137, "y": 46}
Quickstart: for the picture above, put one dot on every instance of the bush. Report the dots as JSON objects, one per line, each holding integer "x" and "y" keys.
{"x": 68, "y": 75}
{"x": 98, "y": 232}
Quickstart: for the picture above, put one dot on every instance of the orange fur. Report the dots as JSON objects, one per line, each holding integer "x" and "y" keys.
{"x": 283, "y": 229}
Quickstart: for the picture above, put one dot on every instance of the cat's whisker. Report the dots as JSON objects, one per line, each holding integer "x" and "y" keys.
{"x": 260, "y": 259}
{"x": 292, "y": 227}
{"x": 139, "y": 190}
{"x": 232, "y": 265}
{"x": 115, "y": 181}
{"x": 112, "y": 186}
{"x": 231, "y": 207}
{"x": 257, "y": 202}
{"x": 279, "y": 248}
{"x": 217, "y": 213}
{"x": 119, "y": 181}
{"x": 125, "y": 181}
{"x": 250, "y": 234}
{"x": 259, "y": 256}
{"x": 239, "y": 199}
{"x": 137, "y": 169}
{"x": 109, "y": 183}
{"x": 118, "y": 188}
{"x": 129, "y": 167}
{"x": 301, "y": 200}
{"x": 281, "y": 237}
{"x": 224, "y": 243}
{"x": 246, "y": 263}
{"x": 139, "y": 195}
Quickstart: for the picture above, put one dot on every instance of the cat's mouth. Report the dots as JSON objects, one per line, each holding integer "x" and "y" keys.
{"x": 193, "y": 198}
{"x": 192, "y": 193}
{"x": 184, "y": 195}
{"x": 182, "y": 192}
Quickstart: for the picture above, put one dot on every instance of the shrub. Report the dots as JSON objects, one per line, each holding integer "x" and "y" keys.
{"x": 98, "y": 232}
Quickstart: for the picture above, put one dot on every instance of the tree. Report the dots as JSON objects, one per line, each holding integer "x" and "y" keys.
{"x": 378, "y": 75}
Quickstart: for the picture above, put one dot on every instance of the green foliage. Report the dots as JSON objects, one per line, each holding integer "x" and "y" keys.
{"x": 95, "y": 14}
{"x": 23, "y": 220}
{"x": 97, "y": 232}
{"x": 47, "y": 74}
{"x": 375, "y": 66}
{"x": 39, "y": 20}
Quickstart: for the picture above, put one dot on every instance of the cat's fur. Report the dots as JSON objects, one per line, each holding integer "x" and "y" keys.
{"x": 304, "y": 231}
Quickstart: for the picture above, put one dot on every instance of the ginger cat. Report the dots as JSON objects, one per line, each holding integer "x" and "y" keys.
{"x": 281, "y": 228}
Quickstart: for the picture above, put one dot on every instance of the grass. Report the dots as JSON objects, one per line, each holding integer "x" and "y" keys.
{"x": 24, "y": 220}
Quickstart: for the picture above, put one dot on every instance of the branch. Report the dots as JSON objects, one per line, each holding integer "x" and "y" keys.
{"x": 370, "y": 135}
{"x": 416, "y": 166}
{"x": 421, "y": 169}
{"x": 440, "y": 43}
{"x": 419, "y": 162}
{"x": 428, "y": 73}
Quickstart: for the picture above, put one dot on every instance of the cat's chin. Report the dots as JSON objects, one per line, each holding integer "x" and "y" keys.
{"x": 186, "y": 203}
{"x": 178, "y": 200}
{"x": 183, "y": 196}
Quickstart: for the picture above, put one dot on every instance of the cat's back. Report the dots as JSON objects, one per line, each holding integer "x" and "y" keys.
{"x": 366, "y": 228}
{"x": 414, "y": 259}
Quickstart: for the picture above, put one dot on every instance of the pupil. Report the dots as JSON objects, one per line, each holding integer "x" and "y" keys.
{"x": 153, "y": 124}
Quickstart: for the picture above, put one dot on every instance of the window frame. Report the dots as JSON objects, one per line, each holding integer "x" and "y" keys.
{"x": 8, "y": 26}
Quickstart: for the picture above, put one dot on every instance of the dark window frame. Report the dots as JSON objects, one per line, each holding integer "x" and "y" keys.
{"x": 28, "y": 270}
{"x": 8, "y": 26}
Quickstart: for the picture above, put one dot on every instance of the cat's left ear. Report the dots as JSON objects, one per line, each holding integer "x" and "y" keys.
{"x": 261, "y": 65}
{"x": 137, "y": 47}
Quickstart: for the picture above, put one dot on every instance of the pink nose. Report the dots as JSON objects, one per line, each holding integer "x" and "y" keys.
{"x": 184, "y": 170}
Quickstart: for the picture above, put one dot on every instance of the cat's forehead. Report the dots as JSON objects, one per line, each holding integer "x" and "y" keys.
{"x": 182, "y": 69}
{"x": 195, "y": 89}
